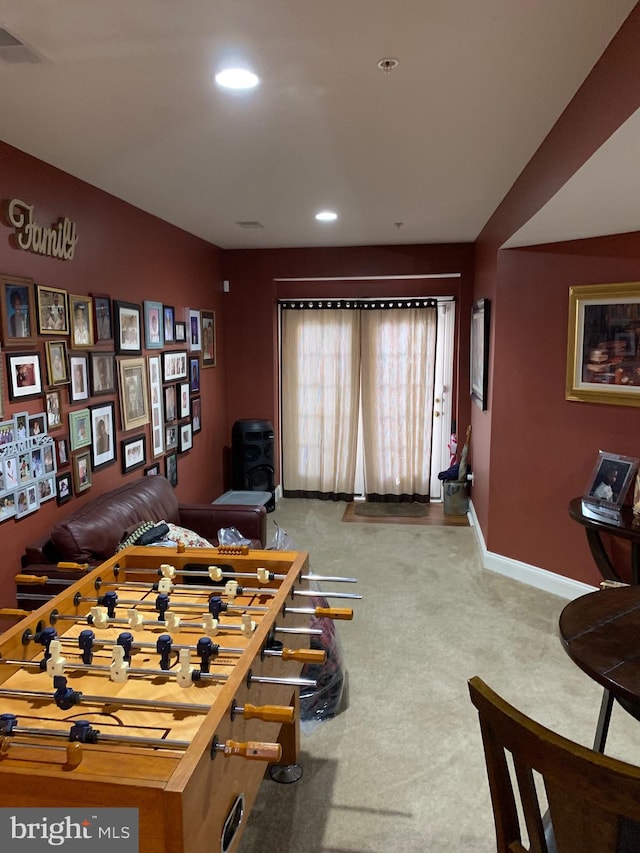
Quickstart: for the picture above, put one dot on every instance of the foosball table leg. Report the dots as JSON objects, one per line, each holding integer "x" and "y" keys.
{"x": 288, "y": 770}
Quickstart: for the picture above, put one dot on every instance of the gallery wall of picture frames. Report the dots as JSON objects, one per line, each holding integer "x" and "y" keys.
{"x": 118, "y": 380}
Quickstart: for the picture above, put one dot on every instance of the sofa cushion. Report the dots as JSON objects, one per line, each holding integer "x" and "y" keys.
{"x": 92, "y": 532}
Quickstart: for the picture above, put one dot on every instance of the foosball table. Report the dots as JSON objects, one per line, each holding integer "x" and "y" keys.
{"x": 164, "y": 680}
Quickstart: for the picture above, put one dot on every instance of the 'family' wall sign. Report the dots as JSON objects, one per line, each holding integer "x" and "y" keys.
{"x": 58, "y": 241}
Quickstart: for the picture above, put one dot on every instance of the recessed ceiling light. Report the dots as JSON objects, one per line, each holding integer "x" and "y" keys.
{"x": 326, "y": 216}
{"x": 237, "y": 78}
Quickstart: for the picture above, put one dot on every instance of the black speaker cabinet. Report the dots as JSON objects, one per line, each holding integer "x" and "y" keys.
{"x": 252, "y": 450}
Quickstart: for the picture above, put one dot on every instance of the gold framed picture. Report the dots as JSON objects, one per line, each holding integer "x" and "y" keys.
{"x": 81, "y": 320}
{"x": 134, "y": 396}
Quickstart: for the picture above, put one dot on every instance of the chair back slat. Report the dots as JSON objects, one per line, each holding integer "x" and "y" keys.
{"x": 593, "y": 800}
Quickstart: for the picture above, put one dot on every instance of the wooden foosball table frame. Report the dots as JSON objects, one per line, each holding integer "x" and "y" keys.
{"x": 183, "y": 796}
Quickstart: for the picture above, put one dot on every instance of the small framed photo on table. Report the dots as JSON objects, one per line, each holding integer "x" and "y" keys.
{"x": 609, "y": 482}
{"x": 25, "y": 380}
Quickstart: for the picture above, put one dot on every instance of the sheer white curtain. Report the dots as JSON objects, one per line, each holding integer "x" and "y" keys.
{"x": 320, "y": 394}
{"x": 373, "y": 354}
{"x": 397, "y": 368}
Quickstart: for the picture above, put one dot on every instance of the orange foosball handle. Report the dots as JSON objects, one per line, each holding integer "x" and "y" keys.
{"x": 269, "y": 713}
{"x": 73, "y": 751}
{"x": 14, "y": 613}
{"x": 253, "y": 750}
{"x": 345, "y": 613}
{"x": 305, "y": 655}
{"x": 73, "y": 567}
{"x": 32, "y": 579}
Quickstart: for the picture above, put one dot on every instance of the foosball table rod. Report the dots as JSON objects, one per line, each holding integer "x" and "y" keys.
{"x": 232, "y": 589}
{"x": 217, "y": 573}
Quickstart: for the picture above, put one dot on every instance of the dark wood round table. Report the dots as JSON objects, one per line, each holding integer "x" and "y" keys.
{"x": 625, "y": 526}
{"x": 600, "y": 632}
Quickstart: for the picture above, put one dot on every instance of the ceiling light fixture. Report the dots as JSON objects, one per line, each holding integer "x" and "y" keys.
{"x": 237, "y": 78}
{"x": 326, "y": 216}
{"x": 388, "y": 64}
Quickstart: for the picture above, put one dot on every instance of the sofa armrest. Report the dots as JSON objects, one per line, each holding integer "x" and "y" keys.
{"x": 207, "y": 519}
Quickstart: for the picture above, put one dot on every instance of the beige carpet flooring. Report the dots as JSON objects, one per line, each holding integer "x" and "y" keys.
{"x": 401, "y": 769}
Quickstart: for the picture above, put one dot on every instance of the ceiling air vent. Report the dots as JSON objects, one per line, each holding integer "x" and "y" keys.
{"x": 13, "y": 50}
{"x": 250, "y": 224}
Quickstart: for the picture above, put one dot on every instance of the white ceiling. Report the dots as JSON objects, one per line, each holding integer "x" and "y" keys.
{"x": 123, "y": 99}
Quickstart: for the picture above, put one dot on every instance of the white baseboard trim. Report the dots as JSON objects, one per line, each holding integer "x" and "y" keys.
{"x": 523, "y": 572}
{"x": 278, "y": 493}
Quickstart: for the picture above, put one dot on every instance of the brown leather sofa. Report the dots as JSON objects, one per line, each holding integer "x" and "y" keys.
{"x": 92, "y": 533}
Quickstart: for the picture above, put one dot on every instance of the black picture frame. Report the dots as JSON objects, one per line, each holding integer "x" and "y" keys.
{"x": 25, "y": 377}
{"x": 127, "y": 324}
{"x": 102, "y": 318}
{"x": 152, "y": 470}
{"x": 64, "y": 487}
{"x": 171, "y": 468}
{"x": 180, "y": 331}
{"x": 102, "y": 373}
{"x": 103, "y": 435}
{"x": 133, "y": 453}
{"x": 169, "y": 321}
{"x": 480, "y": 331}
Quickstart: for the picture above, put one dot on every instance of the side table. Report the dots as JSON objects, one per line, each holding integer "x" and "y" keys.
{"x": 627, "y": 527}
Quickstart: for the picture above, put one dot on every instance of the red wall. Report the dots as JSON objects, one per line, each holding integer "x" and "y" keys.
{"x": 129, "y": 255}
{"x": 258, "y": 278}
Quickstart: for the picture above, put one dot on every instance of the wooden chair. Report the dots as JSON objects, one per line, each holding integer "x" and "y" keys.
{"x": 593, "y": 799}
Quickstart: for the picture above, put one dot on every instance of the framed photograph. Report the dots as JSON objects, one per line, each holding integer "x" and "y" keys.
{"x": 196, "y": 414}
{"x": 195, "y": 336}
{"x": 37, "y": 424}
{"x": 7, "y": 432}
{"x": 169, "y": 317}
{"x": 18, "y": 311}
{"x": 171, "y": 437}
{"x": 157, "y": 404}
{"x": 62, "y": 452}
{"x": 11, "y": 476}
{"x": 133, "y": 453}
{"x": 603, "y": 345}
{"x": 152, "y": 470}
{"x": 25, "y": 468}
{"x": 180, "y": 332}
{"x": 53, "y": 314}
{"x": 174, "y": 365}
{"x": 153, "y": 325}
{"x": 53, "y": 405}
{"x": 208, "y": 339}
{"x": 57, "y": 362}
{"x": 127, "y": 327}
{"x": 37, "y": 463}
{"x": 79, "y": 370}
{"x": 81, "y": 321}
{"x": 46, "y": 488}
{"x": 48, "y": 459}
{"x": 171, "y": 468}
{"x": 186, "y": 438}
{"x": 170, "y": 406}
{"x": 79, "y": 429}
{"x": 7, "y": 506}
{"x": 134, "y": 396}
{"x": 81, "y": 472}
{"x": 194, "y": 375}
{"x": 184, "y": 406}
{"x": 480, "y": 329}
{"x": 24, "y": 375}
{"x": 102, "y": 373}
{"x": 21, "y": 421}
{"x": 102, "y": 318}
{"x": 610, "y": 480}
{"x": 103, "y": 446}
{"x": 64, "y": 488}
{"x": 26, "y": 500}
